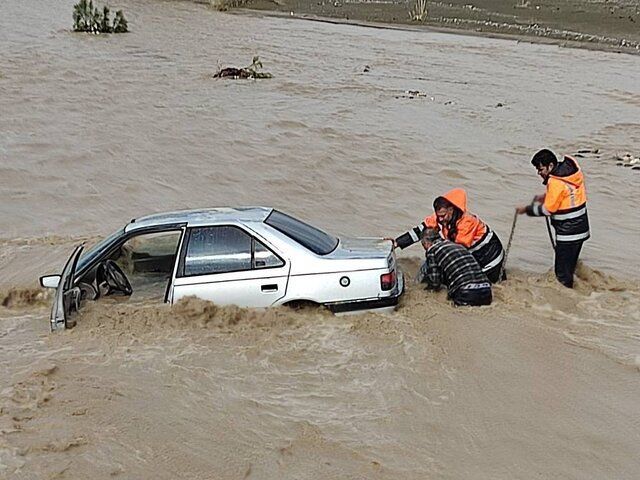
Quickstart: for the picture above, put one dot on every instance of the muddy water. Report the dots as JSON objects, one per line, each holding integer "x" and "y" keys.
{"x": 96, "y": 130}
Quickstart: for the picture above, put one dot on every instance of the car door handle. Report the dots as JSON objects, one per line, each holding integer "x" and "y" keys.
{"x": 269, "y": 288}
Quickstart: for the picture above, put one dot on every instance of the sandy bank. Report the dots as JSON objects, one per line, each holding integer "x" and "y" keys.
{"x": 607, "y": 25}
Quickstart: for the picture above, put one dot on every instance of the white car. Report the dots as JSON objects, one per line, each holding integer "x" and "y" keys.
{"x": 250, "y": 257}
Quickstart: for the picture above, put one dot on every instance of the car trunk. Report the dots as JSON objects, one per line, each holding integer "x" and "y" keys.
{"x": 357, "y": 248}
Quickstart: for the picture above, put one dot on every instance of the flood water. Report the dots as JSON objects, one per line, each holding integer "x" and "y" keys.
{"x": 95, "y": 130}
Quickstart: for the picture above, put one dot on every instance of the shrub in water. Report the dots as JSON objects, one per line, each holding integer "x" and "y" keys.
{"x": 88, "y": 18}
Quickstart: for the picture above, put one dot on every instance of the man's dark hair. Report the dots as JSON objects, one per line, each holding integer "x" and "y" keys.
{"x": 441, "y": 202}
{"x": 544, "y": 157}
{"x": 430, "y": 234}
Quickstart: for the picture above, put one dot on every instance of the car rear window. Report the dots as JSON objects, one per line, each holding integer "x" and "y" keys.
{"x": 310, "y": 237}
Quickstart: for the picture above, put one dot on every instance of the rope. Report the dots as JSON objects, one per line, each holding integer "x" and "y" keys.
{"x": 506, "y": 252}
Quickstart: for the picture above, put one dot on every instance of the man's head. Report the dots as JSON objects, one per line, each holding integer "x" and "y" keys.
{"x": 444, "y": 210}
{"x": 544, "y": 161}
{"x": 429, "y": 237}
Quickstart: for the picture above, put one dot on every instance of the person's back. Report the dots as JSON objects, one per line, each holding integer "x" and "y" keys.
{"x": 452, "y": 265}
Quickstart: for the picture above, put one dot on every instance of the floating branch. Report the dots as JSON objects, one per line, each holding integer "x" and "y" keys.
{"x": 88, "y": 18}
{"x": 252, "y": 71}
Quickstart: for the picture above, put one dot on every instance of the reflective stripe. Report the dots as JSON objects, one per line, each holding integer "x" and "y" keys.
{"x": 572, "y": 238}
{"x": 494, "y": 262}
{"x": 475, "y": 286}
{"x": 567, "y": 216}
{"x": 413, "y": 235}
{"x": 536, "y": 210}
{"x": 483, "y": 242}
{"x": 540, "y": 210}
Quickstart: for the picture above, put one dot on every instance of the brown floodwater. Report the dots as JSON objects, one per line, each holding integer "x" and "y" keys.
{"x": 95, "y": 130}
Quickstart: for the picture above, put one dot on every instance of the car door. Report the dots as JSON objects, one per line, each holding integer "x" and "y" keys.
{"x": 227, "y": 265}
{"x": 67, "y": 297}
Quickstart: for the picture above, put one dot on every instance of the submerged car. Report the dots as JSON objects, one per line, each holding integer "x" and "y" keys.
{"x": 250, "y": 257}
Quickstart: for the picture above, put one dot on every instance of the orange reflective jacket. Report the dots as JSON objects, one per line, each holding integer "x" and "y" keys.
{"x": 565, "y": 202}
{"x": 565, "y": 193}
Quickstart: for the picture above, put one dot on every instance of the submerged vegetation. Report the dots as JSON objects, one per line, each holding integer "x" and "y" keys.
{"x": 252, "y": 71}
{"x": 88, "y": 18}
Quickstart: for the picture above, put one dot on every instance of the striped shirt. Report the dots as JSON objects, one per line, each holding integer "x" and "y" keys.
{"x": 452, "y": 265}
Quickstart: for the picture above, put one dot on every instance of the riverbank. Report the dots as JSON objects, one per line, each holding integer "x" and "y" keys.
{"x": 610, "y": 25}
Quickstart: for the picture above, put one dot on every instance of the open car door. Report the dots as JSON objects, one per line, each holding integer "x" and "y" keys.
{"x": 67, "y": 297}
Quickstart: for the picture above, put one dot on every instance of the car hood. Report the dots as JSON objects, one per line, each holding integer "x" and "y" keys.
{"x": 369, "y": 248}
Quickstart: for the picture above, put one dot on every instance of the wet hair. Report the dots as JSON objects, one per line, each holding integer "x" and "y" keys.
{"x": 430, "y": 234}
{"x": 453, "y": 224}
{"x": 544, "y": 157}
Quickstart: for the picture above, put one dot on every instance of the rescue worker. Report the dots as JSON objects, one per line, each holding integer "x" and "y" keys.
{"x": 454, "y": 266}
{"x": 456, "y": 224}
{"x": 565, "y": 201}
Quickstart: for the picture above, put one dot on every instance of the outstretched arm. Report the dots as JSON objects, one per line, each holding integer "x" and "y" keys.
{"x": 413, "y": 235}
{"x": 545, "y": 205}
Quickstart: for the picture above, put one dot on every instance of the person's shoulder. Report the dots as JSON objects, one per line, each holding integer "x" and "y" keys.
{"x": 469, "y": 219}
{"x": 444, "y": 245}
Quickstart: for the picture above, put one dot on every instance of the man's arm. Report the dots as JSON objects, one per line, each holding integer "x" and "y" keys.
{"x": 543, "y": 206}
{"x": 412, "y": 236}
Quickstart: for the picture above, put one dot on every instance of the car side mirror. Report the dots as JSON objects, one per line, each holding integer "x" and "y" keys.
{"x": 50, "y": 281}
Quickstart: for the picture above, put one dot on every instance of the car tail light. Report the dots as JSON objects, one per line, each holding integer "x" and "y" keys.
{"x": 388, "y": 280}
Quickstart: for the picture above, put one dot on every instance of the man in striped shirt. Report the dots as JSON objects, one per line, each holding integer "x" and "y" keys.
{"x": 453, "y": 266}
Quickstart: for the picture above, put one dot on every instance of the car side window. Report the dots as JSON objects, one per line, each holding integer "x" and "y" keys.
{"x": 217, "y": 250}
{"x": 263, "y": 257}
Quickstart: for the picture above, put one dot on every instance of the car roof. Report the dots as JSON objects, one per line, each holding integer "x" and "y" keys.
{"x": 201, "y": 216}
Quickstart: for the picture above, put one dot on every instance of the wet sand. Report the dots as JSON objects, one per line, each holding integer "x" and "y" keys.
{"x": 611, "y": 25}
{"x": 95, "y": 130}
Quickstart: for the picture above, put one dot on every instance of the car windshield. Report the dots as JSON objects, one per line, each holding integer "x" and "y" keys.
{"x": 306, "y": 235}
{"x": 90, "y": 254}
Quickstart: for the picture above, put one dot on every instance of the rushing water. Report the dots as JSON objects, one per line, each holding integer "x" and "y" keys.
{"x": 95, "y": 130}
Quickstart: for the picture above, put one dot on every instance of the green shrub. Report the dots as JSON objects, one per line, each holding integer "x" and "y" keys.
{"x": 88, "y": 18}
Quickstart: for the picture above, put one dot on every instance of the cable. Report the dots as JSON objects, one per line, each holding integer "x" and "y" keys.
{"x": 506, "y": 252}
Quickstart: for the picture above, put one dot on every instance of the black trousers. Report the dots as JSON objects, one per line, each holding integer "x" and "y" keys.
{"x": 567, "y": 254}
{"x": 472, "y": 297}
{"x": 494, "y": 274}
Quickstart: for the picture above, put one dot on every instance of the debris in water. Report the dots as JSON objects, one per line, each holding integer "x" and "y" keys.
{"x": 415, "y": 94}
{"x": 628, "y": 160}
{"x": 586, "y": 152}
{"x": 252, "y": 71}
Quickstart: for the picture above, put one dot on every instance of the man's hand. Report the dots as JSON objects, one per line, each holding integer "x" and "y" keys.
{"x": 521, "y": 210}
{"x": 539, "y": 198}
{"x": 392, "y": 240}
